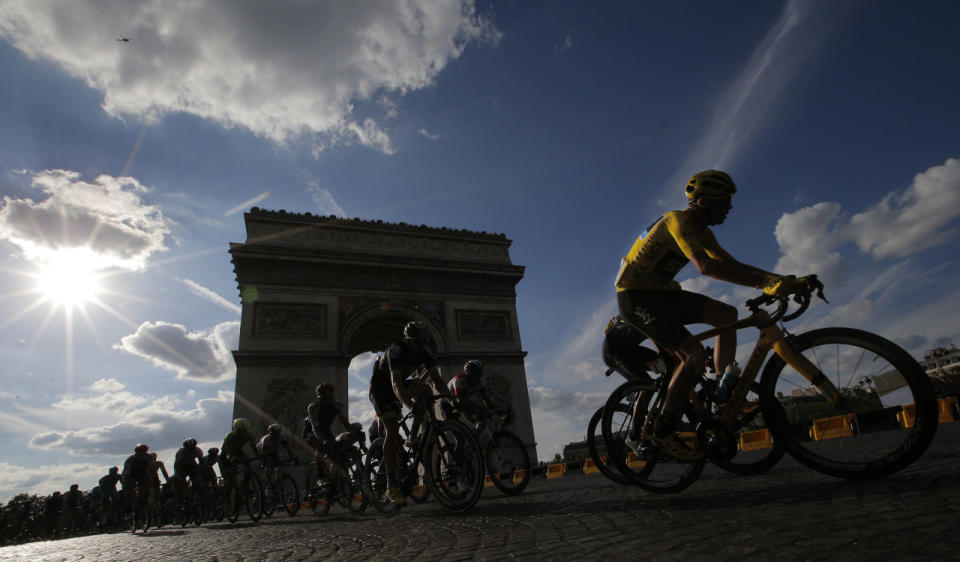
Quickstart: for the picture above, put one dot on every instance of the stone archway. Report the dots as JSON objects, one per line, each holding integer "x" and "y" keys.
{"x": 317, "y": 291}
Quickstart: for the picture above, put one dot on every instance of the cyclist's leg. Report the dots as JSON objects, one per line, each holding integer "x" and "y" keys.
{"x": 716, "y": 313}
{"x": 662, "y": 316}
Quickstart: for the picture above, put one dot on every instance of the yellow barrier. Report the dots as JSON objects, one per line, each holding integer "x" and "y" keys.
{"x": 906, "y": 415}
{"x": 946, "y": 413}
{"x": 634, "y": 462}
{"x": 830, "y": 428}
{"x": 556, "y": 470}
{"x": 518, "y": 476}
{"x": 753, "y": 440}
{"x": 487, "y": 481}
{"x": 590, "y": 467}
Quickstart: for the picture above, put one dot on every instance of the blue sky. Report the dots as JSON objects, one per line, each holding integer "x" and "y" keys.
{"x": 567, "y": 126}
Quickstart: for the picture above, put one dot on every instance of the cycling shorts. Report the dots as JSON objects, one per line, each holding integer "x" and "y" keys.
{"x": 662, "y": 315}
{"x": 385, "y": 402}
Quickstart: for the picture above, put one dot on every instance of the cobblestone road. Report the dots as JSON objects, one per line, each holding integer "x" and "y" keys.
{"x": 790, "y": 513}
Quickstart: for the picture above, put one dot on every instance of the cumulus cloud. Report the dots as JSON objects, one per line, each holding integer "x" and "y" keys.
{"x": 105, "y": 217}
{"x": 200, "y": 356}
{"x": 157, "y": 422}
{"x": 107, "y": 385}
{"x": 903, "y": 223}
{"x": 279, "y": 70}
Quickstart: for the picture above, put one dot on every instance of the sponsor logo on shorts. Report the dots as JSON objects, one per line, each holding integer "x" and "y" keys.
{"x": 643, "y": 315}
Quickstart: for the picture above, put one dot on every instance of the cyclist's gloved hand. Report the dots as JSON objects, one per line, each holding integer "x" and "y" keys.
{"x": 782, "y": 287}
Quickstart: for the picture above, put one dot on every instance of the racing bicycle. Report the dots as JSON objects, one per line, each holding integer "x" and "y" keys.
{"x": 449, "y": 455}
{"x": 836, "y": 399}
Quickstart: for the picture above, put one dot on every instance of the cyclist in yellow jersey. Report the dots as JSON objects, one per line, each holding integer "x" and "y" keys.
{"x": 651, "y": 300}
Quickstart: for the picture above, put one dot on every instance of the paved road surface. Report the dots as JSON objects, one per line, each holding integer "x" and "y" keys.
{"x": 790, "y": 513}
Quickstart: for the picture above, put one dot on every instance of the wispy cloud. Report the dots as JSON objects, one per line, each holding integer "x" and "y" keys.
{"x": 565, "y": 45}
{"x": 211, "y": 296}
{"x": 428, "y": 134}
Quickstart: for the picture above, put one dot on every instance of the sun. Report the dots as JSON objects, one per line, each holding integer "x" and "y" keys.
{"x": 69, "y": 277}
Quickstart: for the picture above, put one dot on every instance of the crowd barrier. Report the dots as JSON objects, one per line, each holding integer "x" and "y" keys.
{"x": 830, "y": 428}
{"x": 556, "y": 470}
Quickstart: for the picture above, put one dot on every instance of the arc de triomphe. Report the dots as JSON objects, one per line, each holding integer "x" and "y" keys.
{"x": 317, "y": 291}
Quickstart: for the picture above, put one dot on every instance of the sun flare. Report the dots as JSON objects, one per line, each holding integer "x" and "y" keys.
{"x": 69, "y": 278}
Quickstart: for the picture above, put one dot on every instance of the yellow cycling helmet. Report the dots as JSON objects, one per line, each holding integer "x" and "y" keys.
{"x": 710, "y": 183}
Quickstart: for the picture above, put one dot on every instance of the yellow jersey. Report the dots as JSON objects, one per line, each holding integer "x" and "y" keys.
{"x": 662, "y": 250}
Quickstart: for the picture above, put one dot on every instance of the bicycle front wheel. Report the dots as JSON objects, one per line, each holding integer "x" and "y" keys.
{"x": 454, "y": 466}
{"x": 353, "y": 489}
{"x": 253, "y": 497}
{"x": 271, "y": 496}
{"x": 598, "y": 451}
{"x": 508, "y": 463}
{"x": 650, "y": 469}
{"x": 377, "y": 479}
{"x": 289, "y": 494}
{"x": 887, "y": 415}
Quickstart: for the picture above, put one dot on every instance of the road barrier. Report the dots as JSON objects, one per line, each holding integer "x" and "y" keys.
{"x": 590, "y": 467}
{"x": 556, "y": 470}
{"x": 487, "y": 481}
{"x": 830, "y": 428}
{"x": 906, "y": 415}
{"x": 518, "y": 476}
{"x": 753, "y": 440}
{"x": 946, "y": 409}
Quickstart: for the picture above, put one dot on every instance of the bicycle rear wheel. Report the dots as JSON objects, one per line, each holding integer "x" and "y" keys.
{"x": 650, "y": 469}
{"x": 750, "y": 448}
{"x": 508, "y": 463}
{"x": 887, "y": 416}
{"x": 598, "y": 452}
{"x": 454, "y": 466}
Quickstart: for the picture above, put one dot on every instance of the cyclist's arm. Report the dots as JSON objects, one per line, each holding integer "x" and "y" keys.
{"x": 397, "y": 379}
{"x": 713, "y": 261}
{"x": 434, "y": 374}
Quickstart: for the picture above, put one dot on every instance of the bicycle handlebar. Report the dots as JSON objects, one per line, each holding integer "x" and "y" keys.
{"x": 801, "y": 296}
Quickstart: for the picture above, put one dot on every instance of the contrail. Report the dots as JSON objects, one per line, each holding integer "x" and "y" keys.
{"x": 743, "y": 109}
{"x": 246, "y": 204}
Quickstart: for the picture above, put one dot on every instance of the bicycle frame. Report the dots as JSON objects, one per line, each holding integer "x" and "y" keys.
{"x": 771, "y": 337}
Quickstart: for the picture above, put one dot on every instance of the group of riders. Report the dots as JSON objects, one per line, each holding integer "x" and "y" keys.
{"x": 405, "y": 372}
